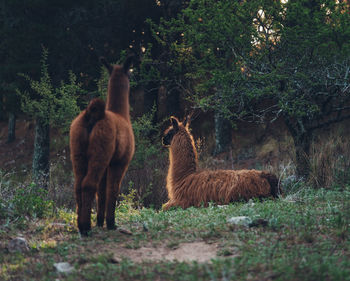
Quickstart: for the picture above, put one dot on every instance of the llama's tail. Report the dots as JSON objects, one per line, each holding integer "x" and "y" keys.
{"x": 94, "y": 112}
{"x": 276, "y": 189}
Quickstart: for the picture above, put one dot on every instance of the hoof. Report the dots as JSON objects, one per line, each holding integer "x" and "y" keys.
{"x": 111, "y": 225}
{"x": 99, "y": 223}
{"x": 85, "y": 231}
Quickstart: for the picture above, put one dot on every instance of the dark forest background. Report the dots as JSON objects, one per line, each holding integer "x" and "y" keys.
{"x": 267, "y": 82}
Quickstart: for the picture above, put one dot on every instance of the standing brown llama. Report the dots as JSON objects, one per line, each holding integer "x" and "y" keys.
{"x": 101, "y": 148}
{"x": 188, "y": 187}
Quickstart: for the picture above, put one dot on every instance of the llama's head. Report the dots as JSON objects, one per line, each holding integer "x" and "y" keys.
{"x": 119, "y": 70}
{"x": 175, "y": 128}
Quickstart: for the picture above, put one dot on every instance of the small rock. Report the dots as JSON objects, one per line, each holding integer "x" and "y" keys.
{"x": 63, "y": 267}
{"x": 115, "y": 259}
{"x": 59, "y": 224}
{"x": 222, "y": 206}
{"x": 251, "y": 202}
{"x": 18, "y": 244}
{"x": 241, "y": 220}
{"x": 125, "y": 231}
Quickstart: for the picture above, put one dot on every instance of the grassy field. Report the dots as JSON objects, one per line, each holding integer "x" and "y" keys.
{"x": 305, "y": 237}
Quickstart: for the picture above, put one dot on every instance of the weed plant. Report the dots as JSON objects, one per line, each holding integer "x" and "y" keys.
{"x": 330, "y": 162}
{"x": 19, "y": 204}
{"x": 306, "y": 238}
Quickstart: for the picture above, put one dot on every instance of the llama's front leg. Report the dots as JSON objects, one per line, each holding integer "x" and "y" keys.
{"x": 101, "y": 201}
{"x": 115, "y": 175}
{"x": 168, "y": 205}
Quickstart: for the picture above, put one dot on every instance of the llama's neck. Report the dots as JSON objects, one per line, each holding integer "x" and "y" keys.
{"x": 183, "y": 158}
{"x": 118, "y": 96}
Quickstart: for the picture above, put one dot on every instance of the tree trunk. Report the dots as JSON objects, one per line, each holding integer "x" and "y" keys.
{"x": 222, "y": 133}
{"x": 302, "y": 144}
{"x": 11, "y": 128}
{"x": 2, "y": 112}
{"x": 41, "y": 157}
{"x": 302, "y": 137}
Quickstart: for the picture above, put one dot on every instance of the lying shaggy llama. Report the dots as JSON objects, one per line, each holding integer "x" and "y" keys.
{"x": 101, "y": 147}
{"x": 188, "y": 187}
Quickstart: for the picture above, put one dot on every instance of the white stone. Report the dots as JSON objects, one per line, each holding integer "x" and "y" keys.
{"x": 63, "y": 267}
{"x": 240, "y": 220}
{"x": 18, "y": 244}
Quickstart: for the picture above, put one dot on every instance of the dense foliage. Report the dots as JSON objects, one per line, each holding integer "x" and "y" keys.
{"x": 260, "y": 60}
{"x": 244, "y": 60}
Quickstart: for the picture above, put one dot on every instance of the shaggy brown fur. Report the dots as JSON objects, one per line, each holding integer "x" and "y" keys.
{"x": 188, "y": 187}
{"x": 101, "y": 147}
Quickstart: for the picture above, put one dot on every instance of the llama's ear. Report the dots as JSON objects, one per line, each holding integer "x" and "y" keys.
{"x": 128, "y": 63}
{"x": 174, "y": 122}
{"x": 187, "y": 121}
{"x": 107, "y": 65}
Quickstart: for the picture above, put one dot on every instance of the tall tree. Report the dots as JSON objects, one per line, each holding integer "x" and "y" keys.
{"x": 258, "y": 60}
{"x": 49, "y": 106}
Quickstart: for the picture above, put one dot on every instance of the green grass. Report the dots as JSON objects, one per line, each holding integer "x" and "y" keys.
{"x": 307, "y": 238}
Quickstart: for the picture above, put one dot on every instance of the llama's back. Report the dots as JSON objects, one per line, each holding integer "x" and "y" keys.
{"x": 222, "y": 186}
{"x": 115, "y": 131}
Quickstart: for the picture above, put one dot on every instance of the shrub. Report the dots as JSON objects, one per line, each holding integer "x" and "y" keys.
{"x": 18, "y": 202}
{"x": 61, "y": 180}
{"x": 147, "y": 170}
{"x": 127, "y": 205}
{"x": 31, "y": 201}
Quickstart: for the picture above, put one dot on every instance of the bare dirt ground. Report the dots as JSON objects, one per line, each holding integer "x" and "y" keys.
{"x": 185, "y": 252}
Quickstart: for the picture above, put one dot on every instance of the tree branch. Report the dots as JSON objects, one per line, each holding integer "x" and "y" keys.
{"x": 330, "y": 122}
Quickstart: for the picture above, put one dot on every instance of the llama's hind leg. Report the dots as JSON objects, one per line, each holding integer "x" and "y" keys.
{"x": 115, "y": 175}
{"x": 84, "y": 220}
{"x": 77, "y": 191}
{"x": 90, "y": 184}
{"x": 79, "y": 169}
{"x": 101, "y": 201}
{"x": 101, "y": 146}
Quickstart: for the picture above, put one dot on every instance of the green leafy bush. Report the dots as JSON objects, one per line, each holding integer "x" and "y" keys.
{"x": 19, "y": 202}
{"x": 56, "y": 105}
{"x": 31, "y": 201}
